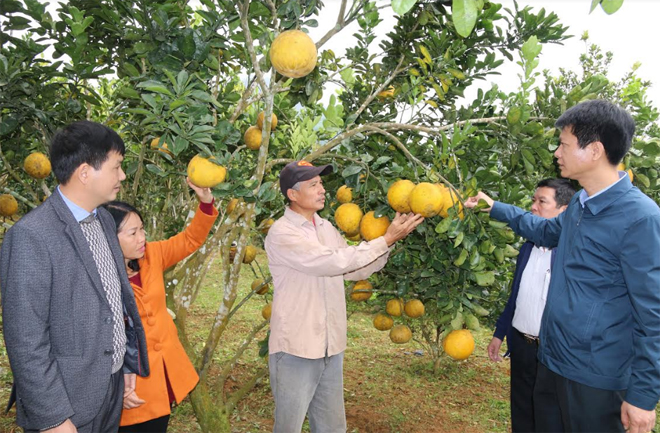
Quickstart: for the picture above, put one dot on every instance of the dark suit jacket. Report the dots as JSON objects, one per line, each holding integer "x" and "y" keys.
{"x": 503, "y": 326}
{"x": 57, "y": 320}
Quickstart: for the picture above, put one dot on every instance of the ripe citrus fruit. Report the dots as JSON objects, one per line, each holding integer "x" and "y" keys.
{"x": 259, "y": 286}
{"x": 394, "y": 307}
{"x": 383, "y": 322}
{"x": 267, "y": 311}
{"x": 414, "y": 308}
{"x": 426, "y": 199}
{"x": 400, "y": 334}
{"x": 372, "y": 227}
{"x": 459, "y": 344}
{"x": 357, "y": 295}
{"x": 387, "y": 93}
{"x": 154, "y": 145}
{"x": 260, "y": 121}
{"x": 250, "y": 254}
{"x": 344, "y": 194}
{"x": 356, "y": 238}
{"x": 398, "y": 195}
{"x": 449, "y": 200}
{"x": 232, "y": 205}
{"x": 347, "y": 217}
{"x": 8, "y": 205}
{"x": 265, "y": 225}
{"x": 37, "y": 165}
{"x": 252, "y": 137}
{"x": 205, "y": 173}
{"x": 293, "y": 54}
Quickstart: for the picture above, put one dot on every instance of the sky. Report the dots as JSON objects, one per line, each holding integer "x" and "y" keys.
{"x": 631, "y": 34}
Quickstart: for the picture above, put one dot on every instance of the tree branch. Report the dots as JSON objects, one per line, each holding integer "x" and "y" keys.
{"x": 249, "y": 43}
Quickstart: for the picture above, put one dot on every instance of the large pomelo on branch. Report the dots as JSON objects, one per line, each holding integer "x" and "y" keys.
{"x": 260, "y": 121}
{"x": 398, "y": 195}
{"x": 362, "y": 291}
{"x": 252, "y": 137}
{"x": 426, "y": 199}
{"x": 8, "y": 205}
{"x": 37, "y": 165}
{"x": 293, "y": 54}
{"x": 205, "y": 173}
{"x": 372, "y": 227}
{"x": 348, "y": 217}
{"x": 400, "y": 334}
{"x": 459, "y": 344}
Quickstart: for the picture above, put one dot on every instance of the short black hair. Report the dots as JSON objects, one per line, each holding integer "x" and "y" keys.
{"x": 564, "y": 190}
{"x": 600, "y": 120}
{"x": 119, "y": 211}
{"x": 79, "y": 143}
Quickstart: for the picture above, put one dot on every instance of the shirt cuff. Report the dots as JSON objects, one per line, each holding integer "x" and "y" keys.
{"x": 207, "y": 208}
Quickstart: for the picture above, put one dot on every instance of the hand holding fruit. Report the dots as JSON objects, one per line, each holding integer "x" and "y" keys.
{"x": 204, "y": 194}
{"x": 402, "y": 225}
{"x": 471, "y": 202}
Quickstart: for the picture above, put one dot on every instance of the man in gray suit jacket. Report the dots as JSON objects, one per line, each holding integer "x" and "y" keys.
{"x": 71, "y": 326}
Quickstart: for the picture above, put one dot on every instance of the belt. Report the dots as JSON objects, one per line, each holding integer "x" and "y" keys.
{"x": 529, "y": 339}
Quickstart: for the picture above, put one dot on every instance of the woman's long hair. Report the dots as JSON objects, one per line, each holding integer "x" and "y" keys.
{"x": 119, "y": 211}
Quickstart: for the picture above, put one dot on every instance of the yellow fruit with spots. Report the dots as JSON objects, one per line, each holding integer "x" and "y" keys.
{"x": 266, "y": 225}
{"x": 344, "y": 194}
{"x": 394, "y": 307}
{"x": 293, "y": 54}
{"x": 387, "y": 93}
{"x": 372, "y": 227}
{"x": 8, "y": 205}
{"x": 362, "y": 291}
{"x": 260, "y": 121}
{"x": 398, "y": 195}
{"x": 414, "y": 308}
{"x": 348, "y": 217}
{"x": 154, "y": 145}
{"x": 267, "y": 311}
{"x": 250, "y": 254}
{"x": 400, "y": 334}
{"x": 356, "y": 238}
{"x": 205, "y": 173}
{"x": 37, "y": 165}
{"x": 449, "y": 200}
{"x": 459, "y": 344}
{"x": 232, "y": 205}
{"x": 252, "y": 138}
{"x": 426, "y": 199}
{"x": 259, "y": 286}
{"x": 383, "y": 322}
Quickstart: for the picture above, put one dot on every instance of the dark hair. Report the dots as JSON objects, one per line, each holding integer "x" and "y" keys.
{"x": 79, "y": 143}
{"x": 600, "y": 120}
{"x": 564, "y": 191}
{"x": 119, "y": 211}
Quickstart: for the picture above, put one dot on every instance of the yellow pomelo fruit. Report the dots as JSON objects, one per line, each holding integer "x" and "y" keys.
{"x": 387, "y": 93}
{"x": 356, "y": 238}
{"x": 154, "y": 145}
{"x": 399, "y": 194}
{"x": 256, "y": 284}
{"x": 344, "y": 194}
{"x": 372, "y": 227}
{"x": 383, "y": 322}
{"x": 250, "y": 254}
{"x": 459, "y": 344}
{"x": 293, "y": 54}
{"x": 400, "y": 334}
{"x": 266, "y": 225}
{"x": 252, "y": 137}
{"x": 204, "y": 173}
{"x": 8, "y": 205}
{"x": 449, "y": 200}
{"x": 260, "y": 121}
{"x": 621, "y": 167}
{"x": 426, "y": 199}
{"x": 361, "y": 296}
{"x": 267, "y": 311}
{"x": 37, "y": 165}
{"x": 232, "y": 205}
{"x": 630, "y": 174}
{"x": 347, "y": 217}
{"x": 414, "y": 308}
{"x": 394, "y": 307}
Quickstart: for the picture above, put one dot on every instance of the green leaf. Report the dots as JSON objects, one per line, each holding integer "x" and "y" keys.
{"x": 465, "y": 16}
{"x": 443, "y": 226}
{"x": 458, "y": 321}
{"x": 594, "y": 3}
{"x": 461, "y": 257}
{"x": 531, "y": 48}
{"x": 351, "y": 170}
{"x": 459, "y": 239}
{"x": 611, "y": 6}
{"x": 485, "y": 278}
{"x": 348, "y": 76}
{"x": 400, "y": 7}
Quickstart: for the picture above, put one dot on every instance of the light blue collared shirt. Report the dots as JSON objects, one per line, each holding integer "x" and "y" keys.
{"x": 78, "y": 213}
{"x": 584, "y": 196}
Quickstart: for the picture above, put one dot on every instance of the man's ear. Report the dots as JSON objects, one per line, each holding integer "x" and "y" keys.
{"x": 597, "y": 150}
{"x": 563, "y": 208}
{"x": 83, "y": 173}
{"x": 291, "y": 194}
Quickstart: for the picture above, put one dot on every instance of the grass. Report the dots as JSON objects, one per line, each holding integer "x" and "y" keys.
{"x": 388, "y": 388}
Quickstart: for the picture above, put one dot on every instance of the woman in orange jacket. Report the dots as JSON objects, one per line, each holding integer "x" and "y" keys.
{"x": 147, "y": 409}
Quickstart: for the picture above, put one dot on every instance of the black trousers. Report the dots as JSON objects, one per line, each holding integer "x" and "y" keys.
{"x": 523, "y": 378}
{"x": 107, "y": 420}
{"x": 157, "y": 425}
{"x": 563, "y": 405}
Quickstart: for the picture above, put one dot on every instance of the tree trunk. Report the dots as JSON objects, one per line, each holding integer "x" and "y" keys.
{"x": 211, "y": 415}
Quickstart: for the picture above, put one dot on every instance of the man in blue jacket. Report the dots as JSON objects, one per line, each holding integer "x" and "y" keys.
{"x": 521, "y": 319}
{"x": 599, "y": 351}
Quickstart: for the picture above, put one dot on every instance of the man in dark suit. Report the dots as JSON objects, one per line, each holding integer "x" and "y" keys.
{"x": 72, "y": 329}
{"x": 521, "y": 319}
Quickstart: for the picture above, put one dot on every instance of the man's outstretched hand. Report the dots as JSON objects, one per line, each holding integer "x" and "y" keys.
{"x": 472, "y": 202}
{"x": 402, "y": 225}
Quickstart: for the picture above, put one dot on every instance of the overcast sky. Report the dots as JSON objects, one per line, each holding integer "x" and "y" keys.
{"x": 631, "y": 34}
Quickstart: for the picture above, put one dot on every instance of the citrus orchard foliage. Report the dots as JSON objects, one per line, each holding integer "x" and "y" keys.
{"x": 179, "y": 83}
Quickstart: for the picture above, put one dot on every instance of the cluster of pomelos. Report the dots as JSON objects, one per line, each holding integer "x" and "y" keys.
{"x": 36, "y": 165}
{"x": 252, "y": 136}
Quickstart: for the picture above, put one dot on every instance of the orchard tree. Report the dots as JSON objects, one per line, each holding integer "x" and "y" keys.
{"x": 178, "y": 82}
